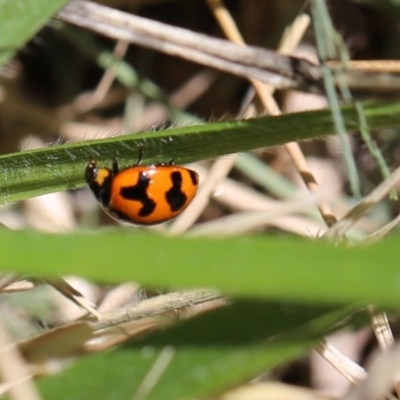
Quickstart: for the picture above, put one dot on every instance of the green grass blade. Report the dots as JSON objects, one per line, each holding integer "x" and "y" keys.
{"x": 20, "y": 20}
{"x": 204, "y": 355}
{"x": 32, "y": 173}
{"x": 330, "y": 45}
{"x": 270, "y": 267}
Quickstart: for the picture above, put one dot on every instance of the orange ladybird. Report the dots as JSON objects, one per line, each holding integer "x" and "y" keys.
{"x": 143, "y": 195}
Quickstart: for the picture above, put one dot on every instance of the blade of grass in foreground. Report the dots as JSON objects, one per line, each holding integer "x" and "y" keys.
{"x": 32, "y": 173}
{"x": 267, "y": 267}
{"x": 20, "y": 20}
{"x": 202, "y": 356}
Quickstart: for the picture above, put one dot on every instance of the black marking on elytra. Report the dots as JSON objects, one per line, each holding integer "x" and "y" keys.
{"x": 175, "y": 197}
{"x": 138, "y": 192}
{"x": 194, "y": 177}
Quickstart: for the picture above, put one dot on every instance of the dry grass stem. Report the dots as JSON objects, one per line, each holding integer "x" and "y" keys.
{"x": 155, "y": 306}
{"x": 19, "y": 286}
{"x": 383, "y": 231}
{"x": 72, "y": 294}
{"x": 348, "y": 368}
{"x": 14, "y": 372}
{"x": 338, "y": 230}
{"x": 282, "y": 72}
{"x": 289, "y": 42}
{"x": 222, "y": 167}
{"x": 106, "y": 81}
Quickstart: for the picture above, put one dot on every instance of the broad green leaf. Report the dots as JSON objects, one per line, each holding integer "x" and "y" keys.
{"x": 20, "y": 20}
{"x": 268, "y": 267}
{"x": 32, "y": 173}
{"x": 202, "y": 356}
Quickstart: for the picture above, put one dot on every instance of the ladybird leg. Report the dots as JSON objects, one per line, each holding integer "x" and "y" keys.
{"x": 115, "y": 166}
{"x": 171, "y": 162}
{"x": 140, "y": 157}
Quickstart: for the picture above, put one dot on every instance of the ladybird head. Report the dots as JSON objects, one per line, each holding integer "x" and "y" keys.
{"x": 99, "y": 181}
{"x": 91, "y": 172}
{"x": 94, "y": 174}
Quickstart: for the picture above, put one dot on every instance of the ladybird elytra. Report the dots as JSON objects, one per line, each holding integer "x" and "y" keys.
{"x": 143, "y": 195}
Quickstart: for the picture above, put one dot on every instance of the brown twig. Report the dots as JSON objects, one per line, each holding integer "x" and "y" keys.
{"x": 279, "y": 71}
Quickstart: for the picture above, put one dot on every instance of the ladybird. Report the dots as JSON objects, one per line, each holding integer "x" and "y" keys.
{"x": 142, "y": 195}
